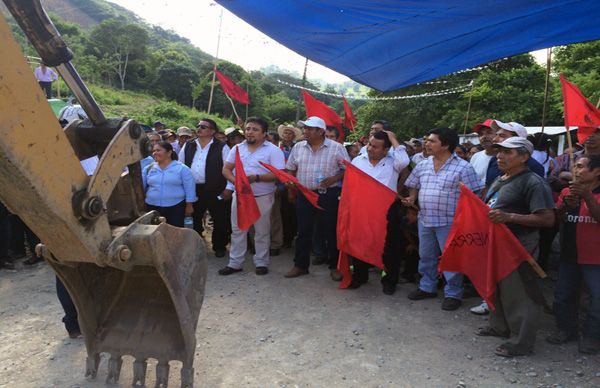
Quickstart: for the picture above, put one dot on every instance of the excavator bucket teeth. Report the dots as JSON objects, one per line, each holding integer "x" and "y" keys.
{"x": 148, "y": 312}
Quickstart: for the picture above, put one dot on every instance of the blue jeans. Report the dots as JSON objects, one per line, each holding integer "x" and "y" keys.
{"x": 567, "y": 295}
{"x": 431, "y": 240}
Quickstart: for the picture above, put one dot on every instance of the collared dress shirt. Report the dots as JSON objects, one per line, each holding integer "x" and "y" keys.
{"x": 387, "y": 170}
{"x": 439, "y": 191}
{"x": 170, "y": 186}
{"x": 268, "y": 153}
{"x": 327, "y": 160}
{"x": 199, "y": 161}
{"x": 48, "y": 76}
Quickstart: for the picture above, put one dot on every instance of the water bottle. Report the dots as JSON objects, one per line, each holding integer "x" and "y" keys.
{"x": 188, "y": 222}
{"x": 320, "y": 178}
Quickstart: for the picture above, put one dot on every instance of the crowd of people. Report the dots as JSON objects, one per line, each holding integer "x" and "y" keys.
{"x": 536, "y": 193}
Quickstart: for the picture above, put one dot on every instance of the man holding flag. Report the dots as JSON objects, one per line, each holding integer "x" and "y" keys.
{"x": 385, "y": 167}
{"x": 523, "y": 201}
{"x": 261, "y": 194}
{"x": 317, "y": 163}
{"x": 435, "y": 182}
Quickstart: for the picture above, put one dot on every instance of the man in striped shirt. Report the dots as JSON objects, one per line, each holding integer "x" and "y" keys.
{"x": 317, "y": 163}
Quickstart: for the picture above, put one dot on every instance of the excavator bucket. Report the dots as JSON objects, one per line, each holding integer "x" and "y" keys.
{"x": 137, "y": 283}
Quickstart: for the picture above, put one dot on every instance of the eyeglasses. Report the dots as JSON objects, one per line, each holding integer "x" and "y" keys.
{"x": 202, "y": 126}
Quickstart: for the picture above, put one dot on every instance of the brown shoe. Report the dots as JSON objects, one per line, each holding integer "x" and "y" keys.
{"x": 295, "y": 272}
{"x": 336, "y": 276}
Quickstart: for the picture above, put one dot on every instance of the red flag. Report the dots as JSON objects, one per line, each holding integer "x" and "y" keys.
{"x": 318, "y": 108}
{"x": 361, "y": 229}
{"x": 349, "y": 119}
{"x": 484, "y": 251}
{"x": 284, "y": 178}
{"x": 232, "y": 89}
{"x": 247, "y": 209}
{"x": 579, "y": 112}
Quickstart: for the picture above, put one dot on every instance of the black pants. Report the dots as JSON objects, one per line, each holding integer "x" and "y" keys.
{"x": 288, "y": 219}
{"x": 392, "y": 250}
{"x": 47, "y": 88}
{"x": 306, "y": 214}
{"x": 70, "y": 318}
{"x": 207, "y": 200}
{"x": 20, "y": 232}
{"x": 174, "y": 214}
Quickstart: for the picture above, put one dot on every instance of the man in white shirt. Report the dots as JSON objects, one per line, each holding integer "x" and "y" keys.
{"x": 45, "y": 76}
{"x": 481, "y": 159}
{"x": 73, "y": 111}
{"x": 253, "y": 150}
{"x": 384, "y": 160}
{"x": 206, "y": 157}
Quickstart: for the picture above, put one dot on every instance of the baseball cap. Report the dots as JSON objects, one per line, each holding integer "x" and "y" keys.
{"x": 513, "y": 127}
{"x": 313, "y": 121}
{"x": 184, "y": 131}
{"x": 486, "y": 123}
{"x": 416, "y": 140}
{"x": 515, "y": 142}
{"x": 157, "y": 123}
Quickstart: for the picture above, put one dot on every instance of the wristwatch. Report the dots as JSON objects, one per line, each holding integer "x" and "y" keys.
{"x": 257, "y": 179}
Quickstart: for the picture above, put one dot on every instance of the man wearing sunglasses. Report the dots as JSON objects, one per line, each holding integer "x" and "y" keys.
{"x": 205, "y": 156}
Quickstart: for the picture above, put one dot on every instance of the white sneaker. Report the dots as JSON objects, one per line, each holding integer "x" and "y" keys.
{"x": 482, "y": 309}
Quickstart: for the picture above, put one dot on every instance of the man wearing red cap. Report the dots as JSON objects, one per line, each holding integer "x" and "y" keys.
{"x": 481, "y": 159}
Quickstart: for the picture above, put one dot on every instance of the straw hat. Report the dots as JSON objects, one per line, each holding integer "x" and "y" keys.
{"x": 297, "y": 131}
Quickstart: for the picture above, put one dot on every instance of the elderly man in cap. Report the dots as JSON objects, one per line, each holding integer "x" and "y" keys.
{"x": 317, "y": 163}
{"x": 503, "y": 132}
{"x": 205, "y": 157}
{"x": 522, "y": 200}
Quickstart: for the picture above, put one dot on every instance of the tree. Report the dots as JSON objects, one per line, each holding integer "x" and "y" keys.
{"x": 174, "y": 79}
{"x": 118, "y": 44}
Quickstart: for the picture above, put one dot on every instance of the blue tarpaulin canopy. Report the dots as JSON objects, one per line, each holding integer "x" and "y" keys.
{"x": 391, "y": 44}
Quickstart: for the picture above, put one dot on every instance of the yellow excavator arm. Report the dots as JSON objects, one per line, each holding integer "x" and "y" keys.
{"x": 137, "y": 283}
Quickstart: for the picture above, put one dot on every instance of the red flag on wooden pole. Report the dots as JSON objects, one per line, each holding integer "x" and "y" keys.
{"x": 284, "y": 178}
{"x": 361, "y": 230}
{"x": 318, "y": 108}
{"x": 232, "y": 89}
{"x": 484, "y": 251}
{"x": 247, "y": 208}
{"x": 579, "y": 112}
{"x": 349, "y": 119}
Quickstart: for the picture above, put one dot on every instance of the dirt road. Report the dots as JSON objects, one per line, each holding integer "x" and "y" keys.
{"x": 267, "y": 331}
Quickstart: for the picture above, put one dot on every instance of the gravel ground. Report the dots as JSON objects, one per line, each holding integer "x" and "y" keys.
{"x": 267, "y": 331}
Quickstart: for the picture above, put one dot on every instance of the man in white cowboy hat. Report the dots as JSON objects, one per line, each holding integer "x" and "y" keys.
{"x": 289, "y": 135}
{"x": 234, "y": 136}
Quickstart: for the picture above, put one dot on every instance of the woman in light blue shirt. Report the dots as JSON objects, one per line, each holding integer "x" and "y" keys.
{"x": 169, "y": 185}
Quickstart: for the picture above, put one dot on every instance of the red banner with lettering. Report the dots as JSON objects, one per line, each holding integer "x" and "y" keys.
{"x": 484, "y": 251}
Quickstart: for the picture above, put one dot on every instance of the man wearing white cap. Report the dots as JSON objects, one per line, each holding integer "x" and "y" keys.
{"x": 317, "y": 163}
{"x": 523, "y": 201}
{"x": 503, "y": 132}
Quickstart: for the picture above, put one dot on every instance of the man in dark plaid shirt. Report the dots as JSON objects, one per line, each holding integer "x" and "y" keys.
{"x": 435, "y": 182}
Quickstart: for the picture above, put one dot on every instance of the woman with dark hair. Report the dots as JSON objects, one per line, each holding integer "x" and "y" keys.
{"x": 169, "y": 185}
{"x": 462, "y": 152}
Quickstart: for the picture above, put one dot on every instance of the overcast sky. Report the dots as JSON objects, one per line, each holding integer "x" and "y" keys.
{"x": 198, "y": 20}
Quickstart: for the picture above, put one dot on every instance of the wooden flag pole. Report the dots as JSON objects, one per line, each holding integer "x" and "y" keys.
{"x": 536, "y": 267}
{"x": 233, "y": 106}
{"x": 468, "y": 108}
{"x": 212, "y": 85}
